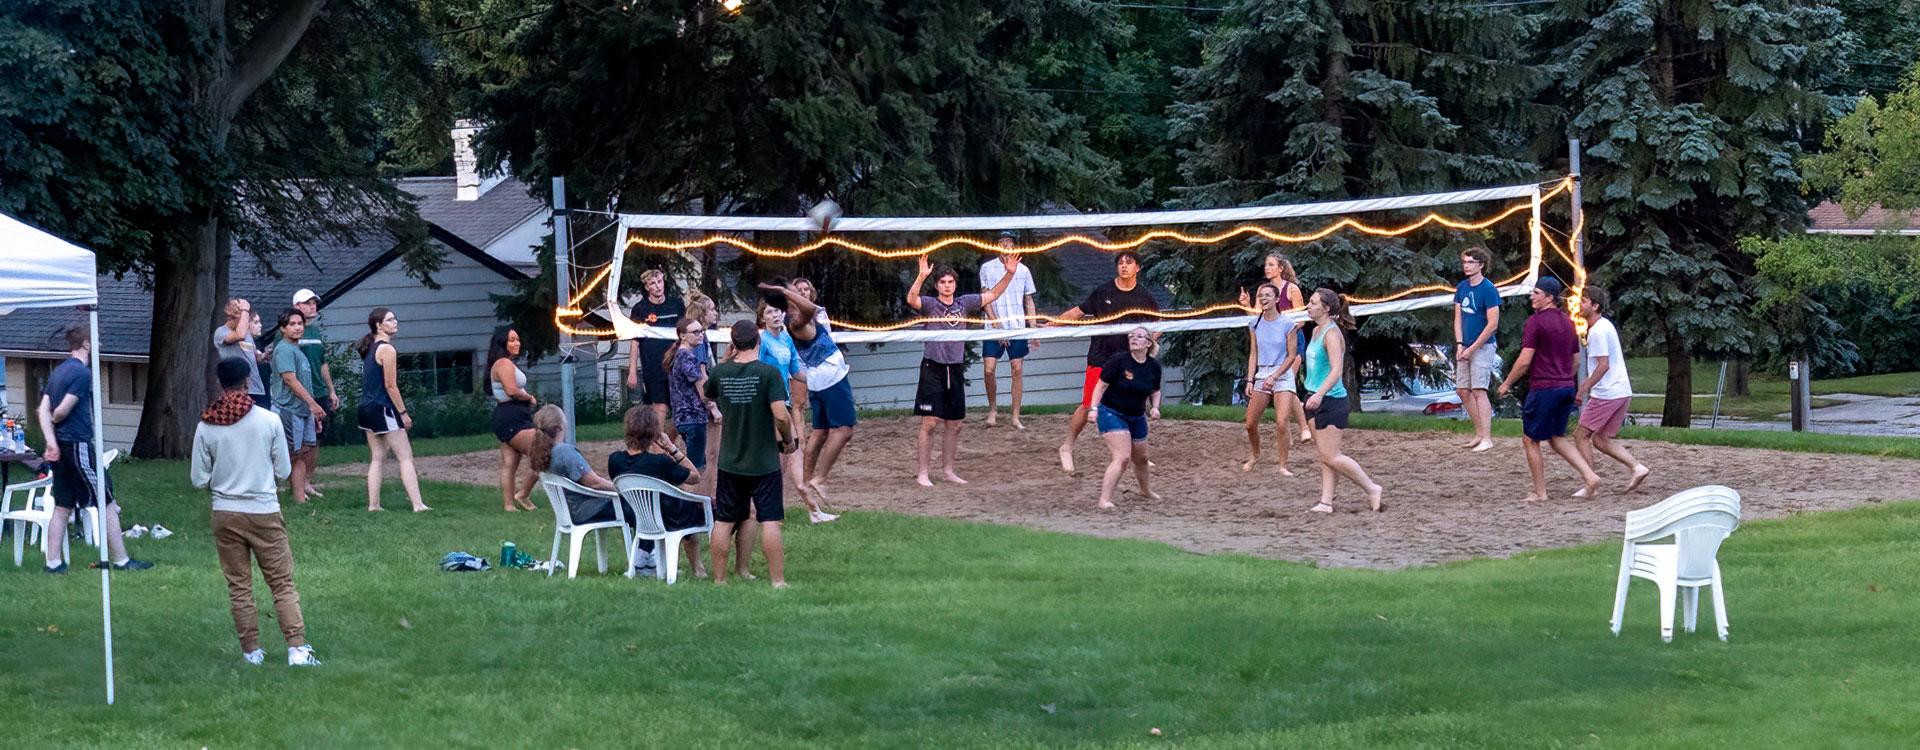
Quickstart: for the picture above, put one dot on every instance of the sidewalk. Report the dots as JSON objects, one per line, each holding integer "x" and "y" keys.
{"x": 1897, "y": 416}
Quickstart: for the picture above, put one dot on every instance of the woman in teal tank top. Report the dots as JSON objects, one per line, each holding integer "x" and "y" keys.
{"x": 1327, "y": 404}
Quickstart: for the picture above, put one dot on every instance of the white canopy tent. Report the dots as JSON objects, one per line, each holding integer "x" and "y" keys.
{"x": 40, "y": 270}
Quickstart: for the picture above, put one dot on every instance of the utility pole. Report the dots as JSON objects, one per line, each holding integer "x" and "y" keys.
{"x": 562, "y": 267}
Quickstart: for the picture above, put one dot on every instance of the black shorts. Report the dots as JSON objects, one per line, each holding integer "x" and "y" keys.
{"x": 943, "y": 390}
{"x": 653, "y": 390}
{"x": 74, "y": 476}
{"x": 733, "y": 492}
{"x": 1332, "y": 413}
{"x": 510, "y": 417}
{"x": 378, "y": 419}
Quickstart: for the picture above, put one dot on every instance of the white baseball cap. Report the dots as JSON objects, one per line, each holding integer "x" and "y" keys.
{"x": 304, "y": 295}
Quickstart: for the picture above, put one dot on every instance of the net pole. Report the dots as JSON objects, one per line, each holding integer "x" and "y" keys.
{"x": 562, "y": 272}
{"x": 1534, "y": 231}
{"x": 1579, "y": 214}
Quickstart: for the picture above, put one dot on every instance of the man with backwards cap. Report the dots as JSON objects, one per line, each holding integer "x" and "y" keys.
{"x": 1548, "y": 350}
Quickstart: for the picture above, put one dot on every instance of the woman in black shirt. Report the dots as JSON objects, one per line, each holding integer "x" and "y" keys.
{"x": 1128, "y": 395}
{"x": 650, "y": 453}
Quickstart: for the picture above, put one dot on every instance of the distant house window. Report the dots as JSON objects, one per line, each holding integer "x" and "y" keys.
{"x": 126, "y": 383}
{"x": 439, "y": 373}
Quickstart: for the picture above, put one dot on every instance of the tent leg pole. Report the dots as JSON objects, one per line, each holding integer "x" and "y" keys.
{"x": 100, "y": 499}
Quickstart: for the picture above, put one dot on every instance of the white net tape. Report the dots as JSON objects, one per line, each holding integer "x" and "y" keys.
{"x": 626, "y": 328}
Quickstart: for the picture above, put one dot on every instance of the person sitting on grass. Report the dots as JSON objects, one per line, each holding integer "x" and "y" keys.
{"x": 650, "y": 453}
{"x": 552, "y": 455}
{"x": 239, "y": 450}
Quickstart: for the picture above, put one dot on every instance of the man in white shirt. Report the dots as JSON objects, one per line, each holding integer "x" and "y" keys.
{"x": 1011, "y": 310}
{"x": 1603, "y": 397}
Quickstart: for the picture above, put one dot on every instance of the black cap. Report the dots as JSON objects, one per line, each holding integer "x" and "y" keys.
{"x": 1008, "y": 234}
{"x": 1551, "y": 286}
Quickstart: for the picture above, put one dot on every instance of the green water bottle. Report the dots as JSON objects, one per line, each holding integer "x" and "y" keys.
{"x": 508, "y": 554}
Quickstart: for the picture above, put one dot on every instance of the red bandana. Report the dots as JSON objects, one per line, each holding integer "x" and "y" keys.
{"x": 228, "y": 409}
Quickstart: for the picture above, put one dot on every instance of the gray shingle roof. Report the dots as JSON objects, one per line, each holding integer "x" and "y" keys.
{"x": 479, "y": 222}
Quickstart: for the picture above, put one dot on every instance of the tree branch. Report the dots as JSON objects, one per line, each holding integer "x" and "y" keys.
{"x": 262, "y": 55}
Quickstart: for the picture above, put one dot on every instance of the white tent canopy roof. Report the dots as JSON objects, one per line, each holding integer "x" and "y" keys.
{"x": 40, "y": 270}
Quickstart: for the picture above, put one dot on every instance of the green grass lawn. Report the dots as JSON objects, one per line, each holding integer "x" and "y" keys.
{"x": 1769, "y": 394}
{"x": 917, "y": 632}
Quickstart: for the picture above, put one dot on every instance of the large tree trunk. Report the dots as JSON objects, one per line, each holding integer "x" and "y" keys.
{"x": 1679, "y": 408}
{"x": 1739, "y": 378}
{"x": 192, "y": 283}
{"x": 179, "y": 366}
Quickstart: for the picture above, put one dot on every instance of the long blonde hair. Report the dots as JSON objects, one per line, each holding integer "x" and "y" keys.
{"x": 549, "y": 423}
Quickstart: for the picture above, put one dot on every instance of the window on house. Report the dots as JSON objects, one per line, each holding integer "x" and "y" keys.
{"x": 439, "y": 373}
{"x": 126, "y": 383}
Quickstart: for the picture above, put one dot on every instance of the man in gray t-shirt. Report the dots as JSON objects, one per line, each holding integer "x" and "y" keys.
{"x": 235, "y": 339}
{"x": 942, "y": 396}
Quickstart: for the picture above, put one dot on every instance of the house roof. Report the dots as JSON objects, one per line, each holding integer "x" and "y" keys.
{"x": 1831, "y": 218}
{"x": 479, "y": 222}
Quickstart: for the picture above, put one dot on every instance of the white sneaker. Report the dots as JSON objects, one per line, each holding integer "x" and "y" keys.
{"x": 820, "y": 516}
{"x": 302, "y": 656}
{"x": 160, "y": 532}
{"x": 255, "y": 657}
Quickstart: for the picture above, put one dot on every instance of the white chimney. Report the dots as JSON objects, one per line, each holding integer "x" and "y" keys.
{"x": 467, "y": 183}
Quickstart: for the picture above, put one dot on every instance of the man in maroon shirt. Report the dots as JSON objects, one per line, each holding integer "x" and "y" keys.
{"x": 1548, "y": 350}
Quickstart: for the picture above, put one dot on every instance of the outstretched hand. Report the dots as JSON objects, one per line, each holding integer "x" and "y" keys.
{"x": 926, "y": 264}
{"x": 768, "y": 286}
{"x": 1013, "y": 262}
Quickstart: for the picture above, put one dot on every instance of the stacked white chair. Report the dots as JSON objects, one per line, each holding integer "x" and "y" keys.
{"x": 557, "y": 487}
{"x": 646, "y": 495}
{"x": 1695, "y": 521}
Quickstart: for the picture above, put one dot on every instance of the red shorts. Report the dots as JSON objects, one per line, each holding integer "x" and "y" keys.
{"x": 1086, "y": 389}
{"x": 1604, "y": 417}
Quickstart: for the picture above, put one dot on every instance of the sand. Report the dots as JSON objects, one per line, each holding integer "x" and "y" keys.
{"x": 1444, "y": 503}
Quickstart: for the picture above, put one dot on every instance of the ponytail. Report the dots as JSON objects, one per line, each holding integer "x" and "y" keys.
{"x": 374, "y": 319}
{"x": 1336, "y": 308}
{"x": 679, "y": 330}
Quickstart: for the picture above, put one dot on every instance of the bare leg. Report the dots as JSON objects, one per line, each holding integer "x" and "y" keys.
{"x": 793, "y": 463}
{"x": 748, "y": 531}
{"x": 1256, "y": 408}
{"x": 1482, "y": 419}
{"x": 1567, "y": 451}
{"x": 717, "y": 549}
{"x": 1345, "y": 466}
{"x": 509, "y": 471}
{"x": 523, "y": 445}
{"x": 1139, "y": 451}
{"x": 832, "y": 443}
{"x": 925, "y": 448}
{"x": 57, "y": 536}
{"x": 110, "y": 531}
{"x": 1119, "y": 450}
{"x": 952, "y": 450}
{"x": 1538, "y": 470}
{"x": 1075, "y": 424}
{"x": 988, "y": 365}
{"x": 690, "y": 549}
{"x": 1300, "y": 412}
{"x": 1019, "y": 379}
{"x": 776, "y": 552}
{"x": 1618, "y": 451}
{"x": 403, "y": 452}
{"x": 1285, "y": 403}
{"x": 376, "y": 467}
{"x": 1473, "y": 414}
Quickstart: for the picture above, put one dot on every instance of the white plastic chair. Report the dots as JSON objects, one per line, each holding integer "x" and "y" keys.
{"x": 33, "y": 511}
{"x": 557, "y": 487}
{"x": 646, "y": 495}
{"x": 89, "y": 517}
{"x": 1696, "y": 521}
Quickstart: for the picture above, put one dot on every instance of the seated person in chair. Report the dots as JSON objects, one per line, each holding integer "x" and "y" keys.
{"x": 649, "y": 453}
{"x": 563, "y": 459}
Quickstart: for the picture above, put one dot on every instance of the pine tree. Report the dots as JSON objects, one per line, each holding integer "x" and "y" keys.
{"x": 1694, "y": 115}
{"x": 1299, "y": 100}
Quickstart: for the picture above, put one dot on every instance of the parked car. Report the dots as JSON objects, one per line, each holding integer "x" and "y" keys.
{"x": 1429, "y": 391}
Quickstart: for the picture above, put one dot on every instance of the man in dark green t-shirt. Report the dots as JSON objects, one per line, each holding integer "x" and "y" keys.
{"x": 753, "y": 403}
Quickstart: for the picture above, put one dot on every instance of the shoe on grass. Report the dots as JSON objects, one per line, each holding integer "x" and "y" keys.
{"x": 255, "y": 657}
{"x": 302, "y": 656}
{"x": 57, "y": 570}
{"x": 132, "y": 564}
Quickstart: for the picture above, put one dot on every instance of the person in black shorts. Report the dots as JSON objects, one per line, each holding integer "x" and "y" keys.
{"x": 1124, "y": 294}
{"x": 753, "y": 404}
{"x": 1327, "y": 402}
{"x": 66, "y": 415}
{"x": 942, "y": 397}
{"x": 646, "y": 371}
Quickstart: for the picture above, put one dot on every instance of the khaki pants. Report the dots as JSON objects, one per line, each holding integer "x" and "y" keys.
{"x": 264, "y": 537}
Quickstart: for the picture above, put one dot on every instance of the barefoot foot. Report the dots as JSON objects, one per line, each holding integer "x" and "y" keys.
{"x": 1066, "y": 458}
{"x": 922, "y": 480}
{"x": 1104, "y": 505}
{"x": 952, "y": 477}
{"x": 1321, "y": 507}
{"x": 1247, "y": 465}
{"x": 1639, "y": 475}
{"x": 1373, "y": 498}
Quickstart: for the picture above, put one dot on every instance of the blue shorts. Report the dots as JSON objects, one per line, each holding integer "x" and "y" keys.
{"x": 1009, "y": 349}
{"x": 1109, "y": 420}
{"x": 833, "y": 407}
{"x": 1543, "y": 416}
{"x": 695, "y": 434}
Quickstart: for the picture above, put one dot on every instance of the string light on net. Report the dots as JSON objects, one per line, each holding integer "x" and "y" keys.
{"x": 1135, "y": 243}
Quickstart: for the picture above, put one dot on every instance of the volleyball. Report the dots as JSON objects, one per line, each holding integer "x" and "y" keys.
{"x": 823, "y": 214}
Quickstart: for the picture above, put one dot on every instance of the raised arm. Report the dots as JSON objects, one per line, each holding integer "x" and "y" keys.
{"x": 913, "y": 292}
{"x": 1013, "y": 269}
{"x": 798, "y": 306}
